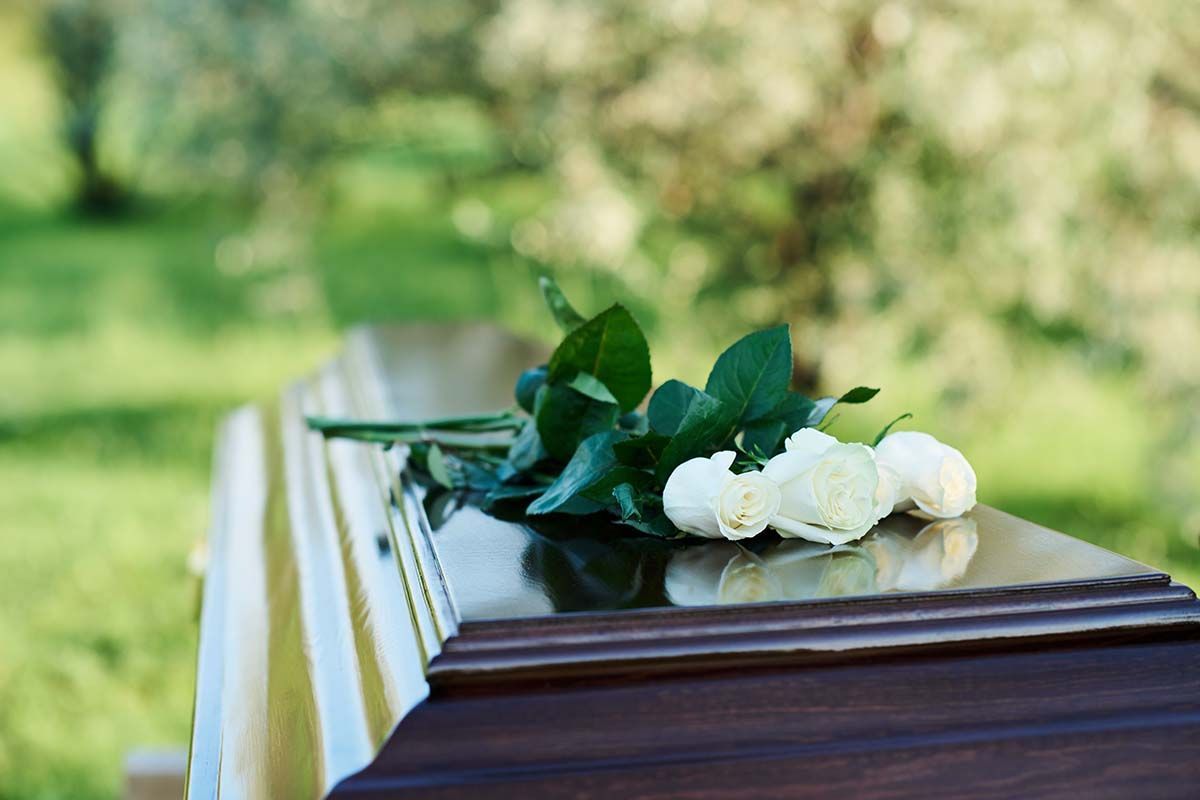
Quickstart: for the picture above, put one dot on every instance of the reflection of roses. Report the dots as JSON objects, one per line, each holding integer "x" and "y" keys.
{"x": 717, "y": 574}
{"x": 810, "y": 571}
{"x": 933, "y": 559}
{"x": 791, "y": 570}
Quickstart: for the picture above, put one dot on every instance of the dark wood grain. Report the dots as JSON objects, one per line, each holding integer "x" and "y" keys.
{"x": 1081, "y": 722}
{"x": 1154, "y": 760}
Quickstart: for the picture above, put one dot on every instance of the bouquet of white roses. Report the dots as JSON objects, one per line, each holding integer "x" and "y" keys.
{"x": 743, "y": 454}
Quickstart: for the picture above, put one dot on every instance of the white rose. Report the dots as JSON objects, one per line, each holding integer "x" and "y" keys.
{"x": 705, "y": 498}
{"x": 688, "y": 497}
{"x": 718, "y": 574}
{"x": 934, "y": 476}
{"x": 828, "y": 489}
{"x": 887, "y": 495}
{"x": 934, "y": 559}
{"x": 746, "y": 504}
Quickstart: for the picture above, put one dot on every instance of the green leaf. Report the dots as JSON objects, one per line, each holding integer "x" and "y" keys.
{"x": 591, "y": 462}
{"x": 435, "y": 461}
{"x": 623, "y": 493}
{"x": 669, "y": 405}
{"x": 859, "y": 394}
{"x": 651, "y": 519}
{"x": 527, "y": 449}
{"x": 655, "y": 525}
{"x": 476, "y": 476}
{"x": 503, "y": 493}
{"x": 643, "y": 451}
{"x": 586, "y": 384}
{"x": 752, "y": 376}
{"x": 527, "y": 387}
{"x": 794, "y": 410}
{"x": 637, "y": 424}
{"x": 601, "y": 491}
{"x": 762, "y": 438}
{"x": 611, "y": 348}
{"x": 565, "y": 418}
{"x": 790, "y": 415}
{"x": 823, "y": 406}
{"x": 708, "y": 426}
{"x": 886, "y": 428}
{"x": 563, "y": 312}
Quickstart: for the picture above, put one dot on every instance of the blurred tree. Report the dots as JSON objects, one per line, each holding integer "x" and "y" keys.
{"x": 249, "y": 92}
{"x": 942, "y": 183}
{"x": 990, "y": 168}
{"x": 257, "y": 98}
{"x": 80, "y": 37}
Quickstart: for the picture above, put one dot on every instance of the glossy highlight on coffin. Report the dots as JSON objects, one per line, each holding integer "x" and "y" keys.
{"x": 555, "y": 567}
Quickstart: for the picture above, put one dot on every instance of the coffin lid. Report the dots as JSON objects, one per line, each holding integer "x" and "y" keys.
{"x": 333, "y": 606}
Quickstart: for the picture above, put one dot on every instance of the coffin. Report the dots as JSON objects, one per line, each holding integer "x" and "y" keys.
{"x": 361, "y": 638}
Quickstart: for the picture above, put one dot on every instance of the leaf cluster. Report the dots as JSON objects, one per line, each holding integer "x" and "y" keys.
{"x": 578, "y": 441}
{"x": 585, "y": 430}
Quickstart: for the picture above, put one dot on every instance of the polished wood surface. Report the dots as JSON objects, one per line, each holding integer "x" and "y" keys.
{"x": 1062, "y": 722}
{"x": 355, "y": 641}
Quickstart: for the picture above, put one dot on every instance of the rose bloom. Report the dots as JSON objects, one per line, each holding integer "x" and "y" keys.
{"x": 828, "y": 489}
{"x": 704, "y": 497}
{"x": 933, "y": 476}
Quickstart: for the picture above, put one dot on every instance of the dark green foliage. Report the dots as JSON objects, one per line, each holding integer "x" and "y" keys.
{"x": 527, "y": 387}
{"x": 752, "y": 376}
{"x": 565, "y": 418}
{"x": 670, "y": 404}
{"x": 610, "y": 348}
{"x": 708, "y": 425}
{"x": 590, "y": 463}
{"x": 527, "y": 449}
{"x": 645, "y": 451}
{"x": 578, "y": 446}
